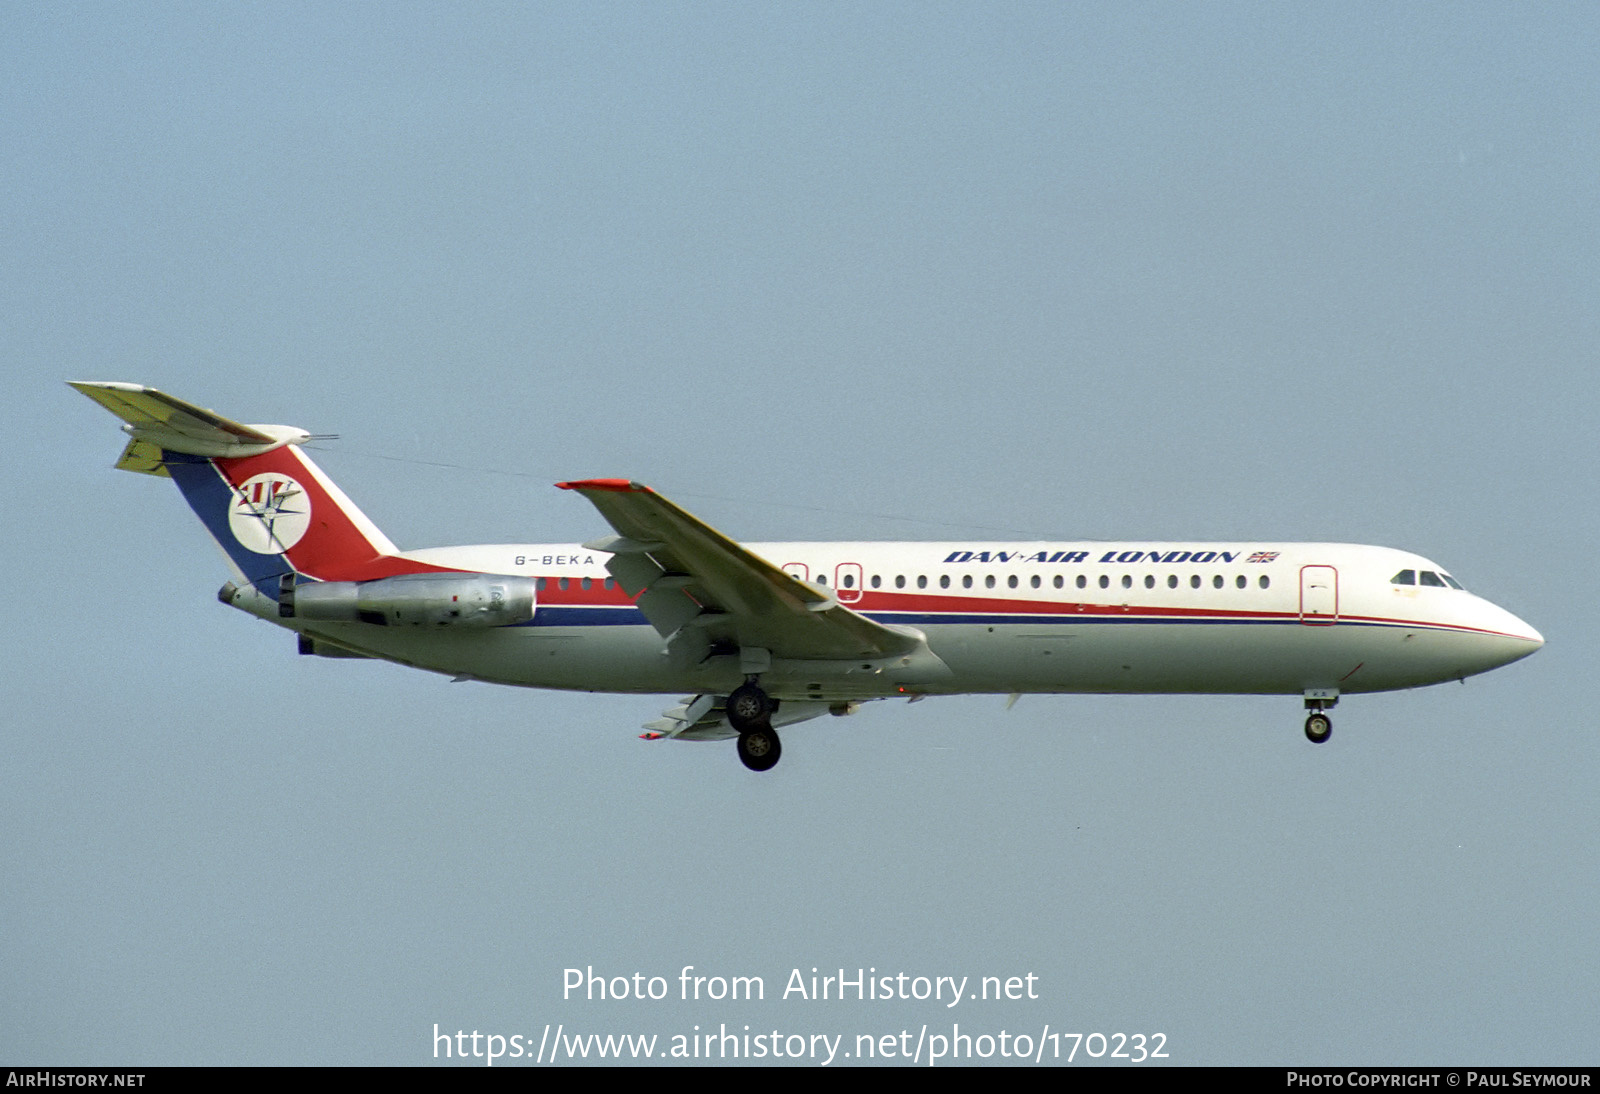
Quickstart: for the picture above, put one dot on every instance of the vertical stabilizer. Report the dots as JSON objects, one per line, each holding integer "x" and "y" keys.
{"x": 270, "y": 508}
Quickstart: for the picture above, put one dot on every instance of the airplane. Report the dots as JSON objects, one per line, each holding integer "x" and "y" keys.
{"x": 766, "y": 635}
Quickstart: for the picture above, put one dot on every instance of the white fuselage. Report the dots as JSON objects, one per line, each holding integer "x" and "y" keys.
{"x": 1033, "y": 617}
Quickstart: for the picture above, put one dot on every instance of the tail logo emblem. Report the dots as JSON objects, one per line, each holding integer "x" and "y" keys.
{"x": 270, "y": 513}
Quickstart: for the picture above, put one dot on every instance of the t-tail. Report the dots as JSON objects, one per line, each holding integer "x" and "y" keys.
{"x": 271, "y": 510}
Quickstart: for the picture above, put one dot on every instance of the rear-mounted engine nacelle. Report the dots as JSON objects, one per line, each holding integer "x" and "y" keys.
{"x": 416, "y": 600}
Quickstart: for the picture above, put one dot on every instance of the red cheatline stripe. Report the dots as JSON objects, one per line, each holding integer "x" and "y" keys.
{"x": 876, "y": 602}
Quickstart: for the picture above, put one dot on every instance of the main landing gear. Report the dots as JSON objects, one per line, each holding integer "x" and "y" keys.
{"x": 1319, "y": 727}
{"x": 750, "y": 712}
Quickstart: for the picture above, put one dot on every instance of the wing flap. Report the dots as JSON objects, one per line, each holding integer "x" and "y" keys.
{"x": 668, "y": 609}
{"x": 702, "y": 718}
{"x": 697, "y": 718}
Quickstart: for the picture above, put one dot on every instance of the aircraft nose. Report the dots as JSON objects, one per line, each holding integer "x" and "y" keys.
{"x": 1530, "y": 635}
{"x": 1514, "y": 639}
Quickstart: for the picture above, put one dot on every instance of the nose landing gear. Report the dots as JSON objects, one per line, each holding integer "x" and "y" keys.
{"x": 1319, "y": 727}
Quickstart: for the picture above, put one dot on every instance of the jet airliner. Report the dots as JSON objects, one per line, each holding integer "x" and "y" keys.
{"x": 765, "y": 635}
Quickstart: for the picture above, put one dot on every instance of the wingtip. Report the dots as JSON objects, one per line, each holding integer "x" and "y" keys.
{"x": 87, "y": 386}
{"x": 616, "y": 486}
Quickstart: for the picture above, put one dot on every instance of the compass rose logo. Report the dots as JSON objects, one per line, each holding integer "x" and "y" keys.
{"x": 270, "y": 513}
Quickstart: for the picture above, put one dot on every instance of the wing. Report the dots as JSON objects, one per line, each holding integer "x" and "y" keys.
{"x": 692, "y": 577}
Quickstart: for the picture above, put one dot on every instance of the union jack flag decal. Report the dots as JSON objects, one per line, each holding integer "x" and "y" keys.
{"x": 1262, "y": 556}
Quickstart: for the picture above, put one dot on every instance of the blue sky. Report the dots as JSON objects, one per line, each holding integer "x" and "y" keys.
{"x": 1232, "y": 271}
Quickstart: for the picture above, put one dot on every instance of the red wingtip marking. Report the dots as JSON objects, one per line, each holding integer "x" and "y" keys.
{"x": 621, "y": 486}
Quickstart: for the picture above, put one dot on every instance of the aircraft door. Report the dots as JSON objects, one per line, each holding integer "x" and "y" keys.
{"x": 847, "y": 582}
{"x": 1319, "y": 595}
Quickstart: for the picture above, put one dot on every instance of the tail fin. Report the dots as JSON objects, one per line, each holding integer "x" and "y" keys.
{"x": 270, "y": 509}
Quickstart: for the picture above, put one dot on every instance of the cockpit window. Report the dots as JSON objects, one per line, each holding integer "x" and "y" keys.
{"x": 1429, "y": 578}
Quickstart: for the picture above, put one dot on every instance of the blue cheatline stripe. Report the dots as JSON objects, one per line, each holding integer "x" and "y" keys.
{"x": 563, "y": 615}
{"x": 211, "y": 498}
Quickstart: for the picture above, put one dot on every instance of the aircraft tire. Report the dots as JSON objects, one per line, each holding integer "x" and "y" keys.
{"x": 759, "y": 748}
{"x": 1319, "y": 727}
{"x": 749, "y": 708}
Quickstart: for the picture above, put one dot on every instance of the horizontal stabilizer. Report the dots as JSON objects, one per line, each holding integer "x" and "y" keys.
{"x": 143, "y": 457}
{"x": 156, "y": 419}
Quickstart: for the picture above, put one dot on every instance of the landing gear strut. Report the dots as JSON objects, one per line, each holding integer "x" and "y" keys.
{"x": 750, "y": 712}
